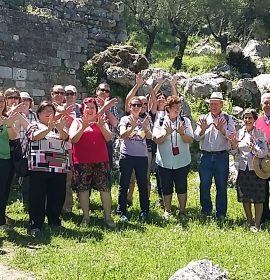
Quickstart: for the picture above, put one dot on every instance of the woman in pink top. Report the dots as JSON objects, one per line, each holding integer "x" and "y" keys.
{"x": 89, "y": 135}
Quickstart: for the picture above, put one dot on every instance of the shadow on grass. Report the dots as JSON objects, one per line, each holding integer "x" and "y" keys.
{"x": 194, "y": 214}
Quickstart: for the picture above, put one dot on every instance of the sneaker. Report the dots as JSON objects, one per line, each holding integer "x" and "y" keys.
{"x": 110, "y": 223}
{"x": 123, "y": 218}
{"x": 255, "y": 229}
{"x": 167, "y": 216}
{"x": 34, "y": 232}
{"x": 143, "y": 216}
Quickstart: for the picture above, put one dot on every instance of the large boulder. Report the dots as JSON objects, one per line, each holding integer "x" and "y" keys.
{"x": 198, "y": 270}
{"x": 120, "y": 58}
{"x": 246, "y": 92}
{"x": 206, "y": 49}
{"x": 234, "y": 48}
{"x": 203, "y": 85}
{"x": 119, "y": 75}
{"x": 256, "y": 48}
{"x": 263, "y": 82}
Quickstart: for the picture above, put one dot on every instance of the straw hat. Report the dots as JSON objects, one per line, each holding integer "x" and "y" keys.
{"x": 216, "y": 95}
{"x": 262, "y": 167}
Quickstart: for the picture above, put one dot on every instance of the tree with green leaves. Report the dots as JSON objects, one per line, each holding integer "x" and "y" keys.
{"x": 147, "y": 14}
{"x": 183, "y": 18}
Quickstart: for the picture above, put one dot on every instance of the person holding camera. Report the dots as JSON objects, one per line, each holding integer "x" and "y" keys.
{"x": 173, "y": 135}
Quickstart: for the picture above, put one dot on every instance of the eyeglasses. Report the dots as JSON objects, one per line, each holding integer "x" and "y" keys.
{"x": 145, "y": 103}
{"x": 136, "y": 105}
{"x": 104, "y": 89}
{"x": 70, "y": 93}
{"x": 59, "y": 92}
{"x": 26, "y": 99}
{"x": 13, "y": 97}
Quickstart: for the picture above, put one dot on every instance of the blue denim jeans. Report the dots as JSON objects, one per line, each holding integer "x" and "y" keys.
{"x": 127, "y": 164}
{"x": 214, "y": 165}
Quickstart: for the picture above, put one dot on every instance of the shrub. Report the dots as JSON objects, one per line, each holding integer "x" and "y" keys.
{"x": 243, "y": 64}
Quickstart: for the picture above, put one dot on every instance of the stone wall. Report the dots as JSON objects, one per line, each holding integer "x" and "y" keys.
{"x": 45, "y": 42}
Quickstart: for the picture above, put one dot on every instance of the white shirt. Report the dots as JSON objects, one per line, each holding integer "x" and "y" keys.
{"x": 164, "y": 155}
{"x": 213, "y": 140}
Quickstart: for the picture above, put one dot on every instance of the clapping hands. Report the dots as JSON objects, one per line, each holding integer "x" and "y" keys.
{"x": 219, "y": 124}
{"x": 59, "y": 125}
{"x": 234, "y": 140}
{"x": 203, "y": 125}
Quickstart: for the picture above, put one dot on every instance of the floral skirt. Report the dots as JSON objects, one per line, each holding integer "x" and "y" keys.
{"x": 91, "y": 175}
{"x": 250, "y": 188}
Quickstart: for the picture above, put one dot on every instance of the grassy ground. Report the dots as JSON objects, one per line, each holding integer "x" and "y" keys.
{"x": 152, "y": 250}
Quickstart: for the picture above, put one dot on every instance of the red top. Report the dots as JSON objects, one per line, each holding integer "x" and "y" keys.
{"x": 264, "y": 127}
{"x": 91, "y": 148}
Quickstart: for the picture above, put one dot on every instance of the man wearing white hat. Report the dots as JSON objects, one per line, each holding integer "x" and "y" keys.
{"x": 263, "y": 123}
{"x": 212, "y": 132}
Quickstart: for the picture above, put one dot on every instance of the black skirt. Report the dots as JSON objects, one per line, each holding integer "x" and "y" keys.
{"x": 250, "y": 188}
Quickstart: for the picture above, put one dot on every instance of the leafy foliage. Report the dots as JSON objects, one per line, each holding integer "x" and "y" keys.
{"x": 241, "y": 63}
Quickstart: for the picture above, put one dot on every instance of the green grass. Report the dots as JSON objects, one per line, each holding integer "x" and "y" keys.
{"x": 152, "y": 250}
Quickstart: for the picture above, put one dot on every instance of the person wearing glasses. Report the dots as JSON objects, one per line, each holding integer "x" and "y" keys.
{"x": 103, "y": 94}
{"x": 13, "y": 100}
{"x": 7, "y": 132}
{"x": 146, "y": 111}
{"x": 15, "y": 107}
{"x": 70, "y": 100}
{"x": 57, "y": 95}
{"x": 134, "y": 130}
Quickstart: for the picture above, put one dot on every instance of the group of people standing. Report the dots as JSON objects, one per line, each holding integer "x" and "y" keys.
{"x": 70, "y": 146}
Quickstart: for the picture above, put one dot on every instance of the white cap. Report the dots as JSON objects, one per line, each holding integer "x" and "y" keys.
{"x": 25, "y": 94}
{"x": 71, "y": 88}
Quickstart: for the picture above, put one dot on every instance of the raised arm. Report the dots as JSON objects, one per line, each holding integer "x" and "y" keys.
{"x": 107, "y": 134}
{"x": 77, "y": 128}
{"x": 133, "y": 91}
{"x": 173, "y": 83}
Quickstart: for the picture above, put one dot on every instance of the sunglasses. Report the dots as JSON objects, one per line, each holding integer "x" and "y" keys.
{"x": 104, "y": 89}
{"x": 59, "y": 92}
{"x": 136, "y": 105}
{"x": 145, "y": 103}
{"x": 13, "y": 97}
{"x": 70, "y": 93}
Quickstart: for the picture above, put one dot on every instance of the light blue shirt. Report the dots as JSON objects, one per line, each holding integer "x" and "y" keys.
{"x": 164, "y": 155}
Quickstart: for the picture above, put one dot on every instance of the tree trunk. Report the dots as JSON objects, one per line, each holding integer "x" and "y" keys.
{"x": 150, "y": 43}
{"x": 223, "y": 40}
{"x": 178, "y": 60}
